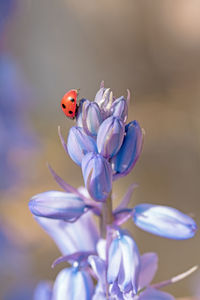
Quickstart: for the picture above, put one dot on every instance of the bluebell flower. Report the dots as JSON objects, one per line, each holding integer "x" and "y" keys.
{"x": 110, "y": 136}
{"x": 81, "y": 235}
{"x": 164, "y": 221}
{"x": 126, "y": 158}
{"x": 123, "y": 262}
{"x": 72, "y": 283}
{"x": 58, "y": 205}
{"x": 146, "y": 290}
{"x": 97, "y": 175}
{"x": 79, "y": 144}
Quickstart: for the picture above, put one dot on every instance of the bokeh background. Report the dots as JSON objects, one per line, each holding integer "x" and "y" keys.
{"x": 48, "y": 47}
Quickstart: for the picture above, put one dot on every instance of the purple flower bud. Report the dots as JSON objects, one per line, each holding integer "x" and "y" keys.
{"x": 91, "y": 117}
{"x": 57, "y": 205}
{"x": 79, "y": 144}
{"x": 123, "y": 262}
{"x": 73, "y": 284}
{"x": 119, "y": 108}
{"x": 130, "y": 150}
{"x": 110, "y": 136}
{"x": 164, "y": 221}
{"x": 104, "y": 98}
{"x": 97, "y": 175}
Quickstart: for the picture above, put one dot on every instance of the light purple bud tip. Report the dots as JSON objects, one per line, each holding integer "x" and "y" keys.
{"x": 91, "y": 117}
{"x": 119, "y": 108}
{"x": 164, "y": 221}
{"x": 79, "y": 144}
{"x": 57, "y": 205}
{"x": 97, "y": 175}
{"x": 110, "y": 136}
{"x": 126, "y": 158}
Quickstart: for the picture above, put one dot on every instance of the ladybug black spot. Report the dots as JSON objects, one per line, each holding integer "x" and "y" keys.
{"x": 63, "y": 105}
{"x": 72, "y": 100}
{"x": 70, "y": 112}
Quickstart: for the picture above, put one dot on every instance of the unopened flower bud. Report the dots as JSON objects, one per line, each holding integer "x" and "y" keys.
{"x": 79, "y": 144}
{"x": 110, "y": 136}
{"x": 91, "y": 117}
{"x": 57, "y": 205}
{"x": 164, "y": 221}
{"x": 97, "y": 175}
{"x": 124, "y": 262}
{"x": 119, "y": 108}
{"x": 126, "y": 158}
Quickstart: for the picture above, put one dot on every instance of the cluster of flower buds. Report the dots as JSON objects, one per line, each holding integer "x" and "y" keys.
{"x": 106, "y": 148}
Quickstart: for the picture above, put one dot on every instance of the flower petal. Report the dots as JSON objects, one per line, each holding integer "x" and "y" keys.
{"x": 72, "y": 237}
{"x": 131, "y": 265}
{"x": 148, "y": 268}
{"x": 73, "y": 284}
{"x": 101, "y": 249}
{"x": 80, "y": 257}
{"x": 123, "y": 262}
{"x": 114, "y": 261}
{"x": 164, "y": 221}
{"x": 57, "y": 205}
{"x": 99, "y": 268}
{"x": 97, "y": 176}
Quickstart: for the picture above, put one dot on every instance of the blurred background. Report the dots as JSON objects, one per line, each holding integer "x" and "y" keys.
{"x": 48, "y": 47}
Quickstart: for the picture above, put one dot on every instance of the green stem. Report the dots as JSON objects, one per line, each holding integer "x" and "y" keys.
{"x": 107, "y": 216}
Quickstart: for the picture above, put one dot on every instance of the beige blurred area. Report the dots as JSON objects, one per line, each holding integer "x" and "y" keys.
{"x": 151, "y": 47}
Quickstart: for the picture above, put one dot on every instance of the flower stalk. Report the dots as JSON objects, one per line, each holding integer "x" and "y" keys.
{"x": 106, "y": 216}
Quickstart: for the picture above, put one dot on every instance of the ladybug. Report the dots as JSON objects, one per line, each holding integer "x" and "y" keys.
{"x": 69, "y": 104}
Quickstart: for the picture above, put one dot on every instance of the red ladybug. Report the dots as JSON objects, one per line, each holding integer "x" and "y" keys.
{"x": 69, "y": 104}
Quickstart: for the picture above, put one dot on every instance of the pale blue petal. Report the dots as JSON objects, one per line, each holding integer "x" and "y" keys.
{"x": 99, "y": 268}
{"x": 114, "y": 261}
{"x": 164, "y": 221}
{"x": 101, "y": 248}
{"x": 73, "y": 284}
{"x": 72, "y": 237}
{"x": 99, "y": 294}
{"x": 131, "y": 265}
{"x": 148, "y": 268}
